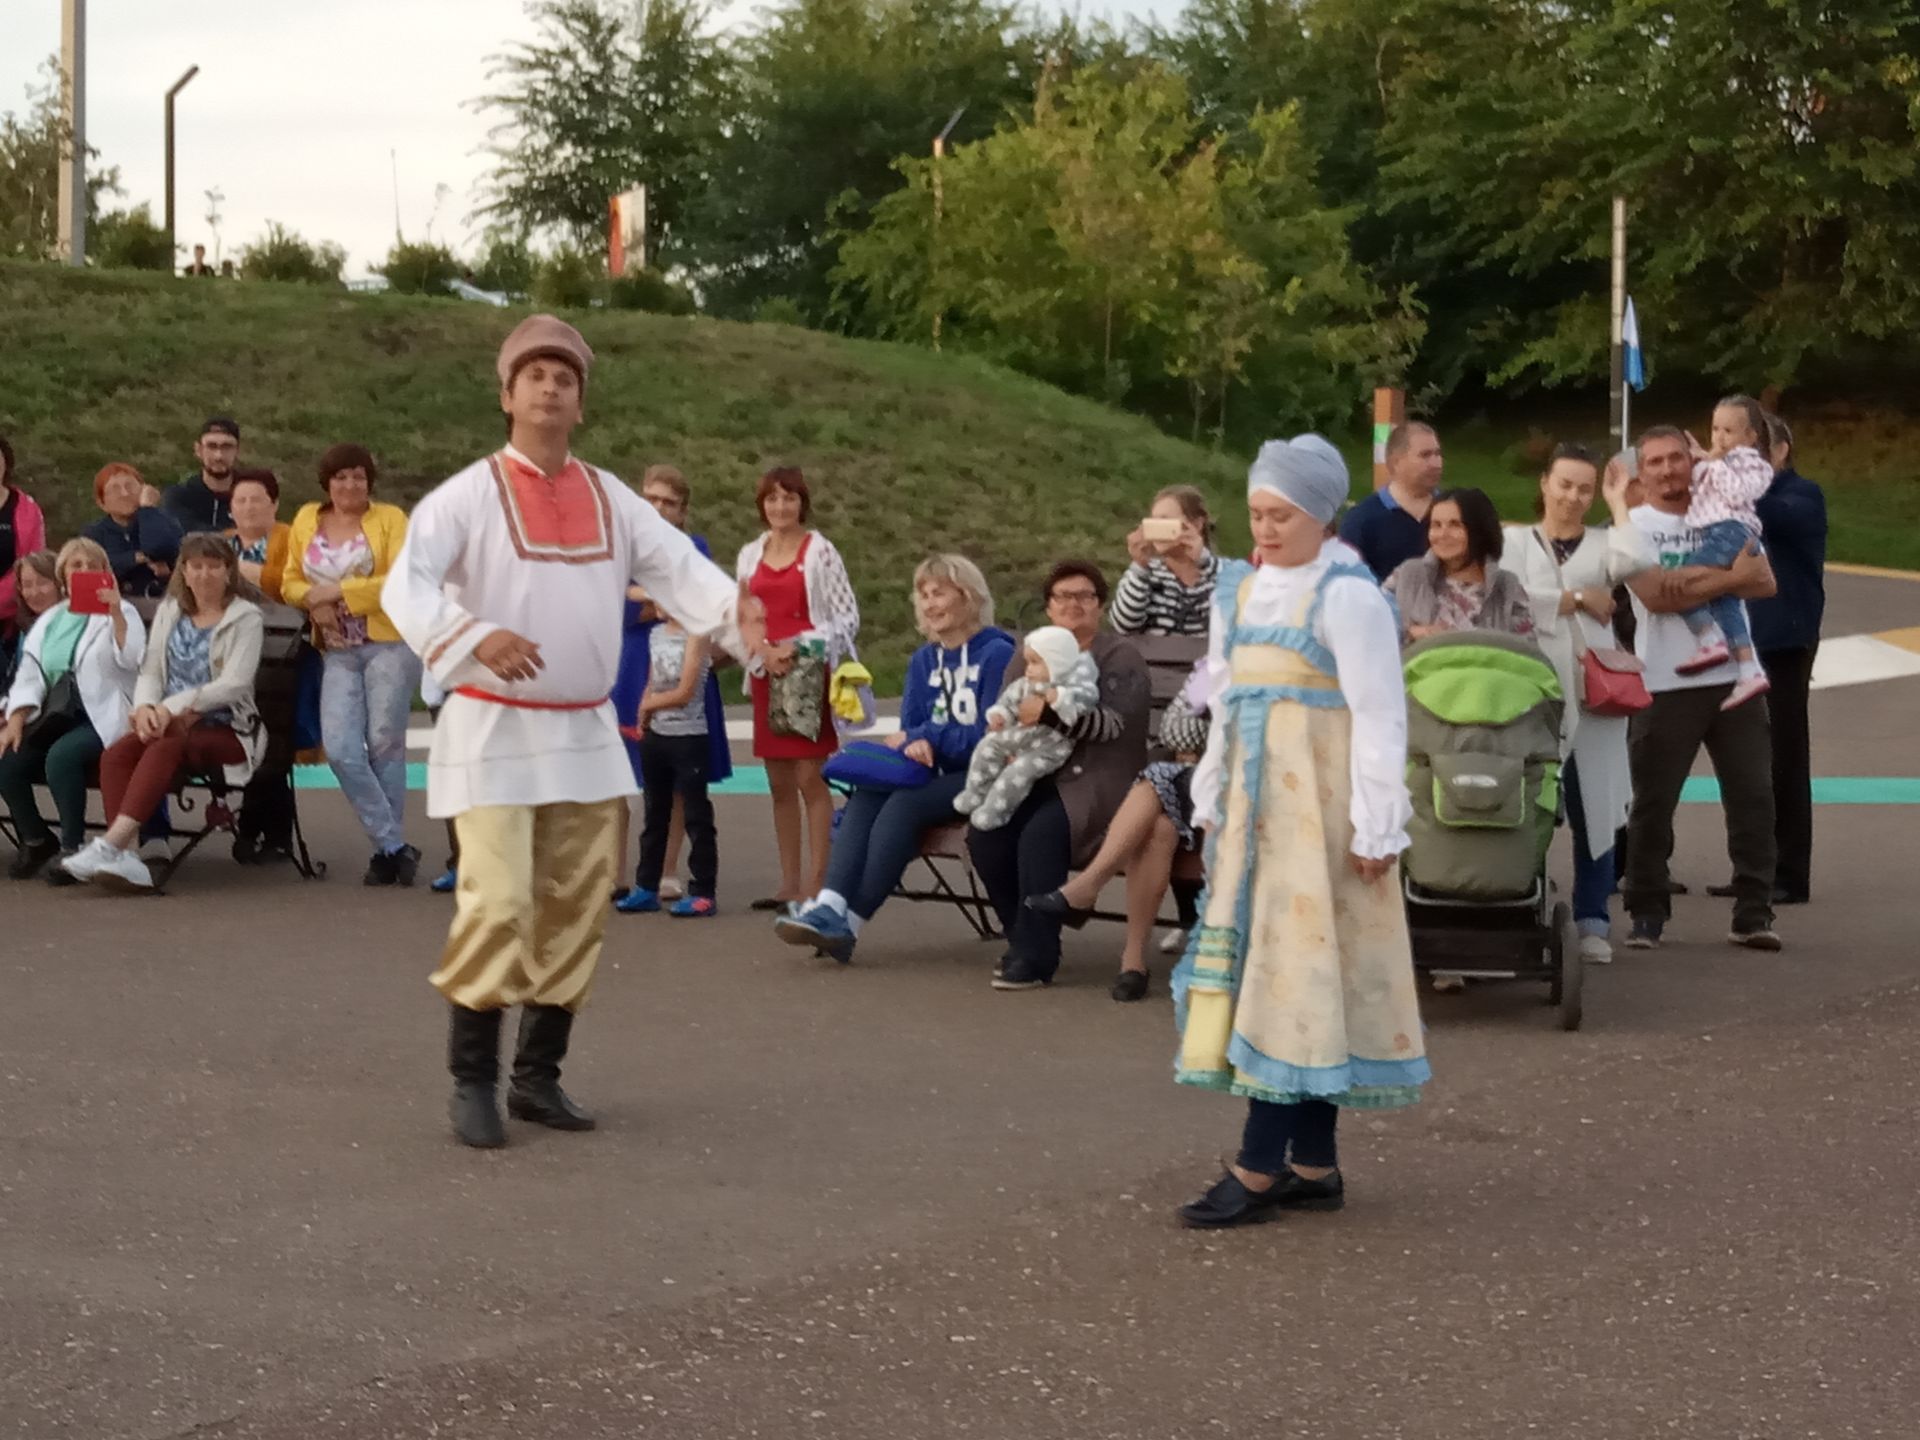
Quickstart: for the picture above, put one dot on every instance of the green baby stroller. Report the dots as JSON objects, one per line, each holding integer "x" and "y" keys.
{"x": 1483, "y": 766}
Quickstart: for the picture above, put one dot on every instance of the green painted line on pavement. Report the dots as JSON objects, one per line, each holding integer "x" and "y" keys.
{"x": 1701, "y": 790}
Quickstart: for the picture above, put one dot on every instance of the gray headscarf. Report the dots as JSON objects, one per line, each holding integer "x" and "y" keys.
{"x": 1306, "y": 472}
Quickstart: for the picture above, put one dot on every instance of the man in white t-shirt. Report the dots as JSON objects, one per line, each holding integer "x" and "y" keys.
{"x": 1686, "y": 713}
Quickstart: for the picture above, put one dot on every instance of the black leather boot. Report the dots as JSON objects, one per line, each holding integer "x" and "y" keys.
{"x": 473, "y": 1055}
{"x": 536, "y": 1094}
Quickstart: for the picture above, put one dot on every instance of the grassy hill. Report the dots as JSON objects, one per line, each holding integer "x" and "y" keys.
{"x": 907, "y": 451}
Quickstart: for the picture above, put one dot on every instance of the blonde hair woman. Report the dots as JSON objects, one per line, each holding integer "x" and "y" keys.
{"x": 193, "y": 707}
{"x": 951, "y": 681}
{"x": 73, "y": 688}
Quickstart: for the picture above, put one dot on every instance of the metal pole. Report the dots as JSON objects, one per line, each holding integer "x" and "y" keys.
{"x": 178, "y": 86}
{"x": 73, "y": 162}
{"x": 1617, "y": 380}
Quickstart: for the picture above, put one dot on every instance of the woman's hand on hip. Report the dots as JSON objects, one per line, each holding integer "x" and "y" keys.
{"x": 1372, "y": 870}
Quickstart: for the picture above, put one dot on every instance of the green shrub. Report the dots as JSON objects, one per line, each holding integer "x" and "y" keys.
{"x": 505, "y": 265}
{"x": 568, "y": 280}
{"x": 129, "y": 240}
{"x": 780, "y": 310}
{"x": 651, "y": 291}
{"x": 283, "y": 254}
{"x": 423, "y": 269}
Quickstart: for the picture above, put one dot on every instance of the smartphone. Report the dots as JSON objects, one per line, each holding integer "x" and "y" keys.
{"x": 88, "y": 592}
{"x": 1159, "y": 532}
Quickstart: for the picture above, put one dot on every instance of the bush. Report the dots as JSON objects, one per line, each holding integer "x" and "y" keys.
{"x": 129, "y": 240}
{"x": 424, "y": 269}
{"x": 651, "y": 291}
{"x": 568, "y": 280}
{"x": 506, "y": 265}
{"x": 282, "y": 254}
{"x": 780, "y": 311}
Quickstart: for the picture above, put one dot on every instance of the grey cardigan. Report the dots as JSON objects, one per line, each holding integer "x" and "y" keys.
{"x": 234, "y": 654}
{"x": 1415, "y": 588}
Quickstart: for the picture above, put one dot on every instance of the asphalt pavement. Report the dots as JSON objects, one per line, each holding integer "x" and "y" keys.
{"x": 885, "y": 1200}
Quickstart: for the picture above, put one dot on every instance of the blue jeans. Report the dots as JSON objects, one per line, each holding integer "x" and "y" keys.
{"x": 878, "y": 836}
{"x": 1720, "y": 545}
{"x": 1592, "y": 874}
{"x": 366, "y": 696}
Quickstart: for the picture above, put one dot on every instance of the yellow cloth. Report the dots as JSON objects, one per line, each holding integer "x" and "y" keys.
{"x": 843, "y": 693}
{"x": 385, "y": 527}
{"x": 531, "y": 905}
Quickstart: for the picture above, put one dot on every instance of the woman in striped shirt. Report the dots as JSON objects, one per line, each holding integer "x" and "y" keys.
{"x": 1167, "y": 588}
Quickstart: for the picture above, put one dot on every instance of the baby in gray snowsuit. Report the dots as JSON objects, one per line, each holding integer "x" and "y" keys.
{"x": 1010, "y": 756}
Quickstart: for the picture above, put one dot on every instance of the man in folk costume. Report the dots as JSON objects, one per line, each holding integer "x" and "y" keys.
{"x": 510, "y": 586}
{"x": 1297, "y": 990}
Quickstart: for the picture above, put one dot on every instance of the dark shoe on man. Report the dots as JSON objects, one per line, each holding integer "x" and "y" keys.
{"x": 1723, "y": 892}
{"x": 1230, "y": 1202}
{"x": 379, "y": 869}
{"x": 1055, "y": 903}
{"x": 1755, "y": 937}
{"x": 1129, "y": 985}
{"x": 1646, "y": 934}
{"x": 31, "y": 855}
{"x": 406, "y": 865}
{"x": 1789, "y": 897}
{"x": 1019, "y": 973}
{"x": 473, "y": 1056}
{"x": 536, "y": 1095}
{"x": 56, "y": 875}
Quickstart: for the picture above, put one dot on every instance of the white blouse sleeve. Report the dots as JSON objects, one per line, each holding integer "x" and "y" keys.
{"x": 1628, "y": 553}
{"x": 1356, "y": 624}
{"x": 1522, "y": 556}
{"x": 1210, "y": 774}
{"x": 441, "y": 631}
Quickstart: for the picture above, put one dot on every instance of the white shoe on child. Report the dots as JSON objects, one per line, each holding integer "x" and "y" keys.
{"x": 671, "y": 888}
{"x": 1713, "y": 653}
{"x": 1174, "y": 943}
{"x": 1745, "y": 690}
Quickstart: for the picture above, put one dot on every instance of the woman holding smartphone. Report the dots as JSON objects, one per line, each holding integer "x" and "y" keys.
{"x": 96, "y": 638}
{"x": 1169, "y": 584}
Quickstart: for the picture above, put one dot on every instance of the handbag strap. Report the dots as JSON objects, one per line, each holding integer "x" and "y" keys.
{"x": 1578, "y": 626}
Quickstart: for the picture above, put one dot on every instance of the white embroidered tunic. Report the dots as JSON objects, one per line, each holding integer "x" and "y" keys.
{"x": 503, "y": 546}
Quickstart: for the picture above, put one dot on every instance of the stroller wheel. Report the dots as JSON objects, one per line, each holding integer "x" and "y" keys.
{"x": 1569, "y": 970}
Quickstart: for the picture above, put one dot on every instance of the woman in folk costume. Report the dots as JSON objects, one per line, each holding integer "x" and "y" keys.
{"x": 1297, "y": 991}
{"x": 512, "y": 585}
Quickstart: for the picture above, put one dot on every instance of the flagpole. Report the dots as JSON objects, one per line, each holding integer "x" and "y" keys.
{"x": 1617, "y": 378}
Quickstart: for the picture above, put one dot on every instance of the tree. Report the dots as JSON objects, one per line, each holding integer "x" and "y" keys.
{"x": 420, "y": 269}
{"x": 30, "y": 152}
{"x": 129, "y": 239}
{"x": 598, "y": 105}
{"x": 830, "y": 93}
{"x": 283, "y": 254}
{"x": 505, "y": 264}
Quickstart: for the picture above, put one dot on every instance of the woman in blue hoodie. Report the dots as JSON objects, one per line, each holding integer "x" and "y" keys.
{"x": 954, "y": 677}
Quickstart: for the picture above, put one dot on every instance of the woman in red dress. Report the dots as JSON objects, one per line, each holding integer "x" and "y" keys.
{"x": 801, "y": 580}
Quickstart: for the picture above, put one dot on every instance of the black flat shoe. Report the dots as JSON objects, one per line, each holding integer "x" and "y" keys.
{"x": 1230, "y": 1203}
{"x": 1129, "y": 985}
{"x": 547, "y": 1104}
{"x": 32, "y": 855}
{"x": 1723, "y": 892}
{"x": 1293, "y": 1191}
{"x": 770, "y": 903}
{"x": 1054, "y": 902}
{"x": 1790, "y": 897}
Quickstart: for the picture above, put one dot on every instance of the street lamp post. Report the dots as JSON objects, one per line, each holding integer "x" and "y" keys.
{"x": 939, "y": 208}
{"x": 178, "y": 86}
{"x": 72, "y": 222}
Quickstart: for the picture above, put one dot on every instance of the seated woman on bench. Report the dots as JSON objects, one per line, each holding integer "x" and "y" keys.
{"x": 1152, "y": 827}
{"x": 951, "y": 681}
{"x": 193, "y": 708}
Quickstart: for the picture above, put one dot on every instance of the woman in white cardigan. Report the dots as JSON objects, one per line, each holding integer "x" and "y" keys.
{"x": 1570, "y": 573}
{"x": 797, "y": 575}
{"x": 193, "y": 707}
{"x": 102, "y": 653}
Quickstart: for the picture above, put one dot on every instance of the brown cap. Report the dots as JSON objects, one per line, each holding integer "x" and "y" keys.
{"x": 543, "y": 335}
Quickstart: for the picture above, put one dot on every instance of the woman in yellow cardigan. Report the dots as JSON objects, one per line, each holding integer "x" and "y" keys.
{"x": 338, "y": 556}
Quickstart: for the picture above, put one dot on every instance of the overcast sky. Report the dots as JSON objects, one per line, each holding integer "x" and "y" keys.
{"x": 301, "y": 109}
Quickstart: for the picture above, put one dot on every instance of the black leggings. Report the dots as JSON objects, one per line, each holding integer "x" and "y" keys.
{"x": 1029, "y": 855}
{"x": 1308, "y": 1125}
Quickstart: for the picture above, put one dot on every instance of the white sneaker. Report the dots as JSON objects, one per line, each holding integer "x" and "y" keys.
{"x": 85, "y": 862}
{"x": 672, "y": 888}
{"x": 1175, "y": 943}
{"x": 122, "y": 870}
{"x": 1595, "y": 950}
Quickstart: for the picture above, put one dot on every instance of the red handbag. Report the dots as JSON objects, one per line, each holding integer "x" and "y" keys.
{"x": 1612, "y": 681}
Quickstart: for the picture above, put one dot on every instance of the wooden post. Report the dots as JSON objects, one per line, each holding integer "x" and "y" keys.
{"x": 1389, "y": 410}
{"x": 72, "y": 222}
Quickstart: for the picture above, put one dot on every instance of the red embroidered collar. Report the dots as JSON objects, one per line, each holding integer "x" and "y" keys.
{"x": 563, "y": 519}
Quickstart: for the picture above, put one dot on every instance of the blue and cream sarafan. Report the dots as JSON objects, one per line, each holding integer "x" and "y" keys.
{"x": 1298, "y": 984}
